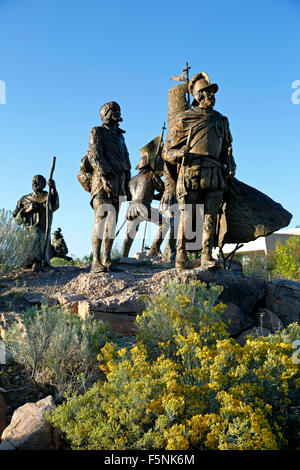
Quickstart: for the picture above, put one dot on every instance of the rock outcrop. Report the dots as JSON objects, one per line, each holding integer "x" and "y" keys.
{"x": 29, "y": 430}
{"x": 283, "y": 298}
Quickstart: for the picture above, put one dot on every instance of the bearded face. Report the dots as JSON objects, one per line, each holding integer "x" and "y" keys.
{"x": 206, "y": 98}
{"x": 110, "y": 113}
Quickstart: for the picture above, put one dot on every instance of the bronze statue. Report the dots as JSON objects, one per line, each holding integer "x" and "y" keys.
{"x": 59, "y": 247}
{"x": 31, "y": 209}
{"x": 105, "y": 172}
{"x": 167, "y": 207}
{"x": 199, "y": 142}
{"x": 142, "y": 188}
{"x": 199, "y": 164}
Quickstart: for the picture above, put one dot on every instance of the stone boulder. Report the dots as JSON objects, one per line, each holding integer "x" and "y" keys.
{"x": 39, "y": 299}
{"x": 243, "y": 295}
{"x": 255, "y": 332}
{"x": 283, "y": 298}
{"x": 129, "y": 304}
{"x": 122, "y": 324}
{"x": 269, "y": 320}
{"x": 28, "y": 429}
{"x": 70, "y": 301}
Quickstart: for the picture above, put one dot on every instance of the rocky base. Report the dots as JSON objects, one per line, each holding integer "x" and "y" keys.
{"x": 116, "y": 297}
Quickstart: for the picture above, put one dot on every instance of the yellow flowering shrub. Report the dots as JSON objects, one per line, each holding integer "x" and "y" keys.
{"x": 285, "y": 259}
{"x": 187, "y": 385}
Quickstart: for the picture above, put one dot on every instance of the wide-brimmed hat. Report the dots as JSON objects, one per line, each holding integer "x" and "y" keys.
{"x": 144, "y": 161}
{"x": 148, "y": 154}
{"x": 204, "y": 81}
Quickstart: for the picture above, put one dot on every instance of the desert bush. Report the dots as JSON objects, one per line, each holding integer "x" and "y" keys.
{"x": 16, "y": 241}
{"x": 175, "y": 310}
{"x": 58, "y": 348}
{"x": 86, "y": 259}
{"x": 75, "y": 261}
{"x": 205, "y": 391}
{"x": 257, "y": 265}
{"x": 284, "y": 261}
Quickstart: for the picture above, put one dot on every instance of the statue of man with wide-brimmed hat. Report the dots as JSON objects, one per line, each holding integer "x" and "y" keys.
{"x": 145, "y": 187}
{"x": 199, "y": 144}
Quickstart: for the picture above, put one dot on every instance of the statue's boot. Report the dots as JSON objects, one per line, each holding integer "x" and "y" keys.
{"x": 98, "y": 267}
{"x": 207, "y": 261}
{"x": 106, "y": 260}
{"x": 169, "y": 255}
{"x": 181, "y": 256}
{"x": 126, "y": 247}
{"x": 162, "y": 231}
{"x": 155, "y": 247}
{"x": 155, "y": 250}
{"x": 181, "y": 259}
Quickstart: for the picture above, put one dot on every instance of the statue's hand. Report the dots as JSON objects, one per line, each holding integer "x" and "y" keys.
{"x": 231, "y": 166}
{"x": 51, "y": 184}
{"x": 184, "y": 151}
{"x": 166, "y": 204}
{"x": 165, "y": 199}
{"x": 106, "y": 184}
{"x": 231, "y": 169}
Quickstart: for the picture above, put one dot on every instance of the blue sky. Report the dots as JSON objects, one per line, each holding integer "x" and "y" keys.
{"x": 61, "y": 60}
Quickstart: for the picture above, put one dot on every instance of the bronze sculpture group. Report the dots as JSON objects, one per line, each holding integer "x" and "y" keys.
{"x": 198, "y": 167}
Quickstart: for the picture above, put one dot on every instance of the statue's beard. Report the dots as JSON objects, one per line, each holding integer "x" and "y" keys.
{"x": 207, "y": 104}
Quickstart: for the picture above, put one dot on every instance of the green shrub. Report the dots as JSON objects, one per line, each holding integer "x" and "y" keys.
{"x": 57, "y": 347}
{"x": 87, "y": 259}
{"x": 284, "y": 261}
{"x": 257, "y": 265}
{"x": 199, "y": 390}
{"x": 175, "y": 310}
{"x": 16, "y": 241}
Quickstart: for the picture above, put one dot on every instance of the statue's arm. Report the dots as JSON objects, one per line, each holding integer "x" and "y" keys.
{"x": 19, "y": 210}
{"x": 227, "y": 156}
{"x": 158, "y": 186}
{"x": 127, "y": 174}
{"x": 54, "y": 198}
{"x": 96, "y": 154}
{"x": 25, "y": 206}
{"x": 173, "y": 153}
{"x": 174, "y": 156}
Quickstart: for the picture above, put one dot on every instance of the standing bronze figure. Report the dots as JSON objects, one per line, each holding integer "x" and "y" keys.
{"x": 144, "y": 187}
{"x": 105, "y": 172}
{"x": 199, "y": 144}
{"x": 31, "y": 209}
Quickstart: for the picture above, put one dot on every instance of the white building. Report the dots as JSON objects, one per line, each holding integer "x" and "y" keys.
{"x": 262, "y": 245}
